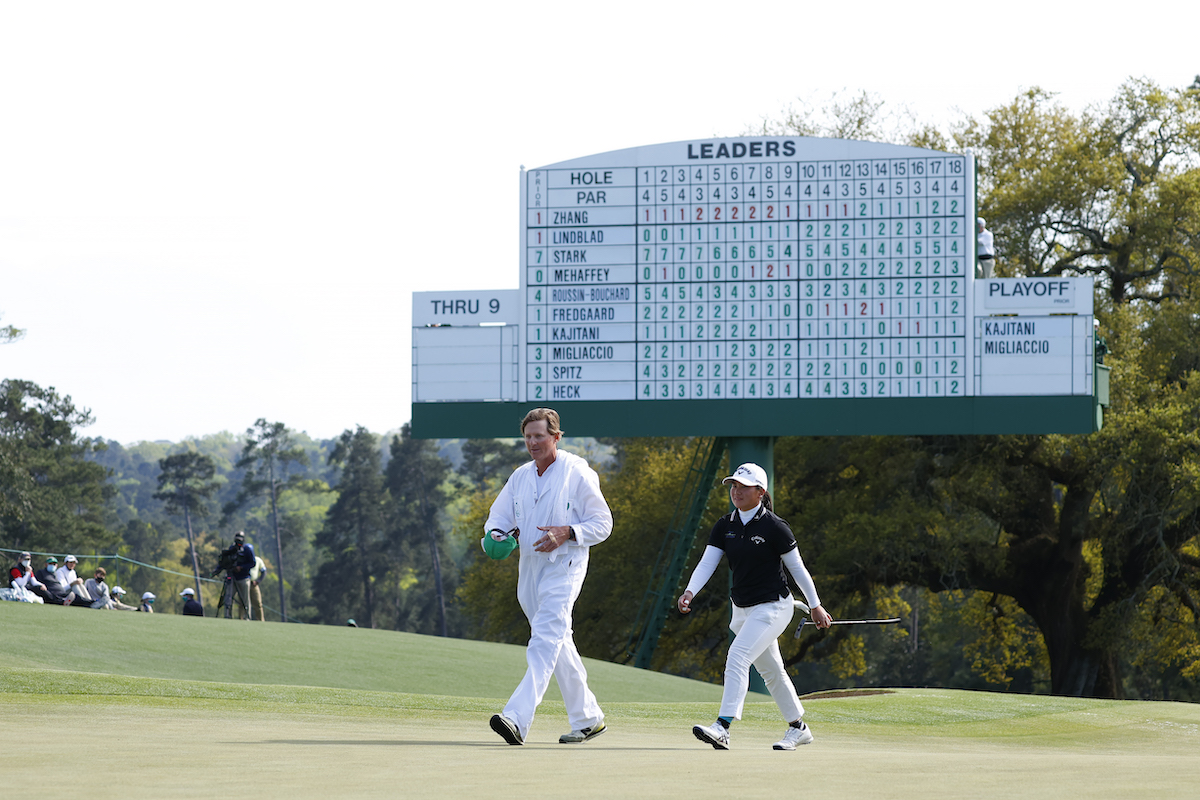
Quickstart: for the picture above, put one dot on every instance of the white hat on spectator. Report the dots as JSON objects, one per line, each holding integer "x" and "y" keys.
{"x": 118, "y": 590}
{"x": 148, "y": 596}
{"x": 188, "y": 592}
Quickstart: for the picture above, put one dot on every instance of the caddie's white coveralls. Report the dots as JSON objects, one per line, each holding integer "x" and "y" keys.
{"x": 568, "y": 493}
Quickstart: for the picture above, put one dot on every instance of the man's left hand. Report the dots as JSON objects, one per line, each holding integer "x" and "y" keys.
{"x": 555, "y": 537}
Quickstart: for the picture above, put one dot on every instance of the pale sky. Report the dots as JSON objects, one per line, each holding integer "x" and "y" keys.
{"x": 214, "y": 212}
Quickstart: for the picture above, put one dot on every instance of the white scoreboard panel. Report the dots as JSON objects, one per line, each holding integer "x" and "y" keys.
{"x": 756, "y": 287}
{"x": 1034, "y": 336}
{"x": 754, "y": 268}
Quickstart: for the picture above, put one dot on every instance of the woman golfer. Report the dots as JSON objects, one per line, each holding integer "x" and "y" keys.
{"x": 758, "y": 545}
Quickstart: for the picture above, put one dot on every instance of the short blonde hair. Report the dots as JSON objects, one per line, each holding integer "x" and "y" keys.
{"x": 547, "y": 414}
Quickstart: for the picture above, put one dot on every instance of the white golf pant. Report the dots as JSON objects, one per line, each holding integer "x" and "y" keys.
{"x": 756, "y": 632}
{"x": 547, "y": 591}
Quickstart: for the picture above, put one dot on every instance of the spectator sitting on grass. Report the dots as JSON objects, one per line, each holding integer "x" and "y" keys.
{"x": 98, "y": 589}
{"x": 117, "y": 593}
{"x": 67, "y": 577}
{"x": 191, "y": 606}
{"x": 147, "y": 603}
{"x": 48, "y": 575}
{"x": 21, "y": 576}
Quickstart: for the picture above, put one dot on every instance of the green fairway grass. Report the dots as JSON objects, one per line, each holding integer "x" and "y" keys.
{"x": 306, "y": 727}
{"x": 231, "y": 651}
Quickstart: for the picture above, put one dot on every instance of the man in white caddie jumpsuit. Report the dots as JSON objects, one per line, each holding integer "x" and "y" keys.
{"x": 555, "y": 502}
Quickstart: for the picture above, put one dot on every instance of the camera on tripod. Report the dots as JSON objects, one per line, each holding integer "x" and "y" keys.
{"x": 227, "y": 560}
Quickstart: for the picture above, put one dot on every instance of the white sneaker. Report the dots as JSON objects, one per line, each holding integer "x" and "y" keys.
{"x": 794, "y": 736}
{"x": 583, "y": 735}
{"x": 716, "y": 734}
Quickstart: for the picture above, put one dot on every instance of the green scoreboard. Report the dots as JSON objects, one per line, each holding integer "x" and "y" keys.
{"x": 755, "y": 287}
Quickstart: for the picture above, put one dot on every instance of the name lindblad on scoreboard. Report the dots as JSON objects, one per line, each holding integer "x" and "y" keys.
{"x": 579, "y": 236}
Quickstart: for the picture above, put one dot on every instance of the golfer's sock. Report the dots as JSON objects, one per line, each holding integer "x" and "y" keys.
{"x": 724, "y": 722}
{"x": 797, "y": 724}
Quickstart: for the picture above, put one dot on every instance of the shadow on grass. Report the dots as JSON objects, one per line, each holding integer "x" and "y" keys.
{"x": 432, "y": 743}
{"x": 371, "y": 742}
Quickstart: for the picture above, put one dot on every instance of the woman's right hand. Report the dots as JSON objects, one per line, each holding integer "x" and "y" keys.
{"x": 685, "y": 603}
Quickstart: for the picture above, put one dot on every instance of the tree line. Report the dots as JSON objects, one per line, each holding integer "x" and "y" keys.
{"x": 1067, "y": 564}
{"x": 1064, "y": 564}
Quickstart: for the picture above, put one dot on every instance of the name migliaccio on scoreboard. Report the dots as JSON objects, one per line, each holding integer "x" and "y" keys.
{"x": 755, "y": 275}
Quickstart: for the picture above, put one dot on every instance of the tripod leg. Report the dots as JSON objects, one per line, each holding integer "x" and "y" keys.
{"x": 234, "y": 591}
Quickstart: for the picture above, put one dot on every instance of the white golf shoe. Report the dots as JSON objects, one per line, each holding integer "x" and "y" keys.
{"x": 794, "y": 737}
{"x": 583, "y": 735}
{"x": 716, "y": 734}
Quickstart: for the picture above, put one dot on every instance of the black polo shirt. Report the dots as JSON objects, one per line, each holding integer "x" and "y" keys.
{"x": 755, "y": 552}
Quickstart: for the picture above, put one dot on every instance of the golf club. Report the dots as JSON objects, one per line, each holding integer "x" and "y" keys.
{"x": 804, "y": 609}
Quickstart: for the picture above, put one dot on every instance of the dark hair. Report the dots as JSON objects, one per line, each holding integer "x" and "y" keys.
{"x": 766, "y": 499}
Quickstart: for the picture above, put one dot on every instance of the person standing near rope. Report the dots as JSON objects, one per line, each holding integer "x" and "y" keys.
{"x": 257, "y": 573}
{"x": 758, "y": 545}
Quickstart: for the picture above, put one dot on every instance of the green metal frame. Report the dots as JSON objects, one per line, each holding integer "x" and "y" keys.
{"x": 849, "y": 417}
{"x": 673, "y": 554}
